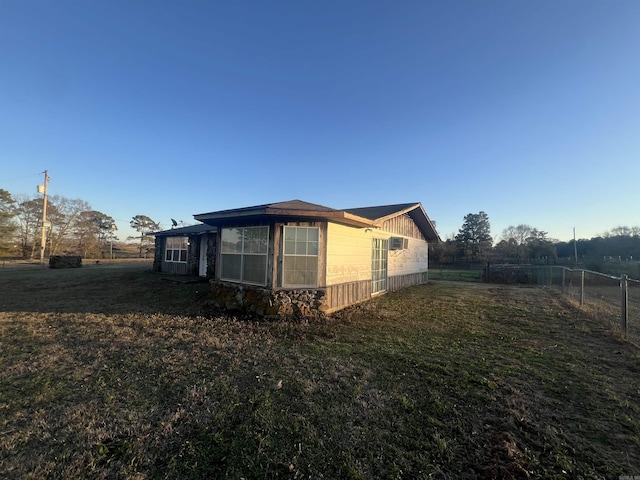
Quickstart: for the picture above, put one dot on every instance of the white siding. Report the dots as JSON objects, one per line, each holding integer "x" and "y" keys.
{"x": 414, "y": 259}
{"x": 349, "y": 254}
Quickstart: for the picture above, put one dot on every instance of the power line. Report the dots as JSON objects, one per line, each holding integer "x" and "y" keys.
{"x": 21, "y": 178}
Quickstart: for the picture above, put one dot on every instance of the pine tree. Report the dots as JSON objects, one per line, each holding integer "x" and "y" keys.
{"x": 474, "y": 237}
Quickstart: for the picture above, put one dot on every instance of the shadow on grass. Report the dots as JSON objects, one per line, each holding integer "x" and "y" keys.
{"x": 99, "y": 288}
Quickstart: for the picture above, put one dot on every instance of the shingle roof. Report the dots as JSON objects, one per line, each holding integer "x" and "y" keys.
{"x": 357, "y": 217}
{"x": 183, "y": 231}
{"x": 297, "y": 205}
{"x": 300, "y": 205}
{"x": 287, "y": 209}
{"x": 414, "y": 210}
{"x": 374, "y": 213}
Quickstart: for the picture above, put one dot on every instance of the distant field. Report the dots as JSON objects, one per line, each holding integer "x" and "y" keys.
{"x": 112, "y": 372}
{"x": 35, "y": 264}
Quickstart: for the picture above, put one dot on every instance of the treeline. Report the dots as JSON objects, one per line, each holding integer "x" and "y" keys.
{"x": 72, "y": 228}
{"x": 526, "y": 244}
{"x": 609, "y": 246}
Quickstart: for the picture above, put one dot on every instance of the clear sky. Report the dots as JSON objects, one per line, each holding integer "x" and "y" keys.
{"x": 527, "y": 110}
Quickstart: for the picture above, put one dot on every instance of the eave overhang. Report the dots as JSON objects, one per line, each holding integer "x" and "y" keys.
{"x": 419, "y": 216}
{"x": 271, "y": 213}
{"x": 185, "y": 231}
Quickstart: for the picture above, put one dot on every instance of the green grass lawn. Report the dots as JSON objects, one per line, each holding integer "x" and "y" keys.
{"x": 115, "y": 373}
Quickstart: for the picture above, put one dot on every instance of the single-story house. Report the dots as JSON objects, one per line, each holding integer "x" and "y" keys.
{"x": 299, "y": 258}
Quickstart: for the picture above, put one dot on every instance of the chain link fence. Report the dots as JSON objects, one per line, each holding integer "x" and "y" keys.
{"x": 610, "y": 299}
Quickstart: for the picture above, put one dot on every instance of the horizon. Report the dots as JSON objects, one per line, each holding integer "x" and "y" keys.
{"x": 496, "y": 236}
{"x": 166, "y": 224}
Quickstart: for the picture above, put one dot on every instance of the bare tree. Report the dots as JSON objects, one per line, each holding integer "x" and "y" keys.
{"x": 516, "y": 238}
{"x": 29, "y": 215}
{"x": 8, "y": 226}
{"x": 524, "y": 241}
{"x": 64, "y": 213}
{"x": 623, "y": 231}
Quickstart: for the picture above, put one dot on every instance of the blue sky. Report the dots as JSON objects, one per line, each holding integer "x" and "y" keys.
{"x": 527, "y": 110}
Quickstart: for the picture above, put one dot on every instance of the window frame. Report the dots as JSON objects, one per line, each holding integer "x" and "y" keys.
{"x": 296, "y": 254}
{"x": 248, "y": 244}
{"x": 379, "y": 265}
{"x": 177, "y": 252}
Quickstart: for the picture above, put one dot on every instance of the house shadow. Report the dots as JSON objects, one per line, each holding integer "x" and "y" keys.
{"x": 102, "y": 289}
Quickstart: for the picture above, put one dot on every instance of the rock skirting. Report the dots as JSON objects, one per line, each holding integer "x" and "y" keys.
{"x": 264, "y": 302}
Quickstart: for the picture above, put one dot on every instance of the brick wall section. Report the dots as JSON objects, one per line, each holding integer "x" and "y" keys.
{"x": 265, "y": 302}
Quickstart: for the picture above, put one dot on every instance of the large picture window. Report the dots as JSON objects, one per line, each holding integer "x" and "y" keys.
{"x": 244, "y": 254}
{"x": 300, "y": 266}
{"x": 176, "y": 249}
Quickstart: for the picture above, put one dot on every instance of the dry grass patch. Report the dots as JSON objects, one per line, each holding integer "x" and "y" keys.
{"x": 446, "y": 380}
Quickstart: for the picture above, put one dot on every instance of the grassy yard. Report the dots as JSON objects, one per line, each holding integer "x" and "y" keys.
{"x": 457, "y": 275}
{"x": 112, "y": 372}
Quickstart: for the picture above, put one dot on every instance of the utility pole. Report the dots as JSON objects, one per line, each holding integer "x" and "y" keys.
{"x": 575, "y": 245}
{"x": 44, "y": 189}
{"x": 111, "y": 230}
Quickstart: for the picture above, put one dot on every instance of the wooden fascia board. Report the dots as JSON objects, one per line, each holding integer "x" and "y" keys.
{"x": 354, "y": 220}
{"x": 337, "y": 216}
{"x": 203, "y": 217}
{"x": 431, "y": 235}
{"x": 436, "y": 237}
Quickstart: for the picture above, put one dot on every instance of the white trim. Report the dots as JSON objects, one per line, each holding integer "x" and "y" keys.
{"x": 382, "y": 252}
{"x": 291, "y": 256}
{"x": 184, "y": 247}
{"x": 202, "y": 261}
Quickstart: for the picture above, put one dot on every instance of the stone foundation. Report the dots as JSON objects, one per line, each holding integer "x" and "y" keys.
{"x": 263, "y": 302}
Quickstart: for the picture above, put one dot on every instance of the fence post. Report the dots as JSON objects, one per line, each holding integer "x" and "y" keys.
{"x": 563, "y": 276}
{"x": 581, "y": 287}
{"x": 624, "y": 303}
